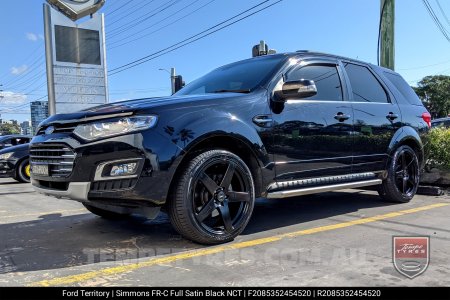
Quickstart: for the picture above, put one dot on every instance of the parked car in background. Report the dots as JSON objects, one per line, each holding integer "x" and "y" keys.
{"x": 274, "y": 126}
{"x": 13, "y": 140}
{"x": 14, "y": 163}
{"x": 442, "y": 122}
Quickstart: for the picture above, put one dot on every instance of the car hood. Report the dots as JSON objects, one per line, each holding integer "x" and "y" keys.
{"x": 18, "y": 148}
{"x": 129, "y": 107}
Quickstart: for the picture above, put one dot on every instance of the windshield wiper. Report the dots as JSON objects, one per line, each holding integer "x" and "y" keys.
{"x": 233, "y": 91}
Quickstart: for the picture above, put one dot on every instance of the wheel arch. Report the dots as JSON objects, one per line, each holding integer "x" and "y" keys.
{"x": 410, "y": 137}
{"x": 234, "y": 143}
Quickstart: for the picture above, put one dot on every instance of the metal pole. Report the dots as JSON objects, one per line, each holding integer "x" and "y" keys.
{"x": 172, "y": 79}
{"x": 105, "y": 66}
{"x": 387, "y": 41}
{"x": 49, "y": 60}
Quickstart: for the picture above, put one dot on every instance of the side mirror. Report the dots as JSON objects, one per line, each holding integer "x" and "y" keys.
{"x": 303, "y": 88}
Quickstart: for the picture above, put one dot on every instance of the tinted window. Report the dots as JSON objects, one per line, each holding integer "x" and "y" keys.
{"x": 326, "y": 79}
{"x": 403, "y": 88}
{"x": 365, "y": 86}
{"x": 240, "y": 76}
{"x": 6, "y": 141}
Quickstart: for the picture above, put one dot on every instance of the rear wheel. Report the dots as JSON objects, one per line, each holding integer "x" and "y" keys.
{"x": 403, "y": 176}
{"x": 213, "y": 199}
{"x": 23, "y": 171}
{"x": 110, "y": 215}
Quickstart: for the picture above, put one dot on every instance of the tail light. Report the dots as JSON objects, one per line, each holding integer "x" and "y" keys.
{"x": 427, "y": 118}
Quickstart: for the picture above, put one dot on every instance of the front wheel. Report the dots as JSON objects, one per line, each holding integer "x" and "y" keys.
{"x": 403, "y": 176}
{"x": 213, "y": 199}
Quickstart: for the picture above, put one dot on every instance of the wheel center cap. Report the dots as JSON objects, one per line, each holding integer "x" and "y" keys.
{"x": 220, "y": 196}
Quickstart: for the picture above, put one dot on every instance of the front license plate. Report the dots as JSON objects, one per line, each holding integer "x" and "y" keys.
{"x": 39, "y": 169}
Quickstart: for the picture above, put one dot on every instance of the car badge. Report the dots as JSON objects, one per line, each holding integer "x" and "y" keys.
{"x": 49, "y": 130}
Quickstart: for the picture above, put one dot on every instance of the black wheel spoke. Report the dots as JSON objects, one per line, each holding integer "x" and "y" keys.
{"x": 210, "y": 184}
{"x": 206, "y": 210}
{"x": 238, "y": 196}
{"x": 225, "y": 214}
{"x": 410, "y": 163}
{"x": 403, "y": 158}
{"x": 228, "y": 176}
{"x": 399, "y": 174}
{"x": 405, "y": 181}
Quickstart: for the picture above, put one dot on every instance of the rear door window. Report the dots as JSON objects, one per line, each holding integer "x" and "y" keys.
{"x": 365, "y": 86}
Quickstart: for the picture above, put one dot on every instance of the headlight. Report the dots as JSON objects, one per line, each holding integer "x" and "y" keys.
{"x": 103, "y": 129}
{"x": 6, "y": 155}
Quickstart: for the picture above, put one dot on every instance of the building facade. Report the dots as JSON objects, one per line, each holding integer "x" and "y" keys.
{"x": 25, "y": 128}
{"x": 39, "y": 112}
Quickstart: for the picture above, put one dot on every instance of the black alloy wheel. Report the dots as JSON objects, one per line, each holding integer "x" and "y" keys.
{"x": 406, "y": 173}
{"x": 214, "y": 198}
{"x": 403, "y": 176}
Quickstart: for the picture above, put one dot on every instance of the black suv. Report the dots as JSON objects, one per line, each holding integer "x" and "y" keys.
{"x": 273, "y": 126}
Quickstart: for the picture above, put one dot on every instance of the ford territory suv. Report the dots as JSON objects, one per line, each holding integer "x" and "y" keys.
{"x": 273, "y": 126}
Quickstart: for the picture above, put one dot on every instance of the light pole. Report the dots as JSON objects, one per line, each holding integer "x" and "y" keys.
{"x": 172, "y": 78}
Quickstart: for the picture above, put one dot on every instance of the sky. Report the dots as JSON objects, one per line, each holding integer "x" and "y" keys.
{"x": 344, "y": 27}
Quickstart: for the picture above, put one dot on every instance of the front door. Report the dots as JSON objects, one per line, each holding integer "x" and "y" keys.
{"x": 313, "y": 136}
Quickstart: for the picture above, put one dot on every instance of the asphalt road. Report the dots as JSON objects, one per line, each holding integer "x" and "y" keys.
{"x": 333, "y": 239}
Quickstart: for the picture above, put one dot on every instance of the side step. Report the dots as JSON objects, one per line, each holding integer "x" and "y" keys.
{"x": 321, "y": 189}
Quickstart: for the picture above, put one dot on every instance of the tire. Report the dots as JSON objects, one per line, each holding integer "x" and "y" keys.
{"x": 402, "y": 180}
{"x": 106, "y": 214}
{"x": 23, "y": 171}
{"x": 213, "y": 198}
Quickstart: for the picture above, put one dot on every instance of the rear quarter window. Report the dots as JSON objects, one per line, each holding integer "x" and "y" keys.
{"x": 403, "y": 87}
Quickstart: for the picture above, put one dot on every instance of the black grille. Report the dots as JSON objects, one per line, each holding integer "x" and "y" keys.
{"x": 58, "y": 129}
{"x": 59, "y": 159}
{"x": 110, "y": 185}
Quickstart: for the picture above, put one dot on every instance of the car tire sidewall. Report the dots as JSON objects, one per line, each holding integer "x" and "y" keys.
{"x": 187, "y": 199}
{"x": 394, "y": 194}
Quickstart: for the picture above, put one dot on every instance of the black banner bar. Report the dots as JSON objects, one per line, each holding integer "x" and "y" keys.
{"x": 394, "y": 293}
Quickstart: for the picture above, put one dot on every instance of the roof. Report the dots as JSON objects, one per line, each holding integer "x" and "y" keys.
{"x": 328, "y": 55}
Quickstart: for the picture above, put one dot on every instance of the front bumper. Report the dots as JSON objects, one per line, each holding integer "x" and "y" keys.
{"x": 86, "y": 182}
{"x": 76, "y": 191}
{"x": 6, "y": 169}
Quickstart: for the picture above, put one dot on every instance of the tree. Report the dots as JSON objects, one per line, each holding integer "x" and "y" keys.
{"x": 6, "y": 129}
{"x": 434, "y": 91}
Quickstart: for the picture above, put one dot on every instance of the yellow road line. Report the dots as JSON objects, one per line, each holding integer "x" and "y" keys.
{"x": 66, "y": 280}
{"x": 44, "y": 213}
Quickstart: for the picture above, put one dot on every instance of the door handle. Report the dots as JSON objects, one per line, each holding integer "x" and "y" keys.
{"x": 391, "y": 116}
{"x": 341, "y": 117}
{"x": 262, "y": 120}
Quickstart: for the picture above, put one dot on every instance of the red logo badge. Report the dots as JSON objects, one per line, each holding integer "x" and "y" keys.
{"x": 411, "y": 254}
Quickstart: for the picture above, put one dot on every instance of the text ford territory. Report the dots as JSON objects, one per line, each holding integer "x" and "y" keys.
{"x": 274, "y": 126}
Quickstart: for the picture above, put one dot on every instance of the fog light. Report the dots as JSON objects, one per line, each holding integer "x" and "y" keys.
{"x": 123, "y": 169}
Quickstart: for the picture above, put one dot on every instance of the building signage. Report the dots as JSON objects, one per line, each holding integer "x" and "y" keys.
{"x": 76, "y": 9}
{"x": 76, "y": 63}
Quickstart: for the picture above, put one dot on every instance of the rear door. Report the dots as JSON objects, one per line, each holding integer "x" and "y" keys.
{"x": 376, "y": 117}
{"x": 313, "y": 136}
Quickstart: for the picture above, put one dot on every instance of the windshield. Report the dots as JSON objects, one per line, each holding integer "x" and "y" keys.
{"x": 239, "y": 77}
